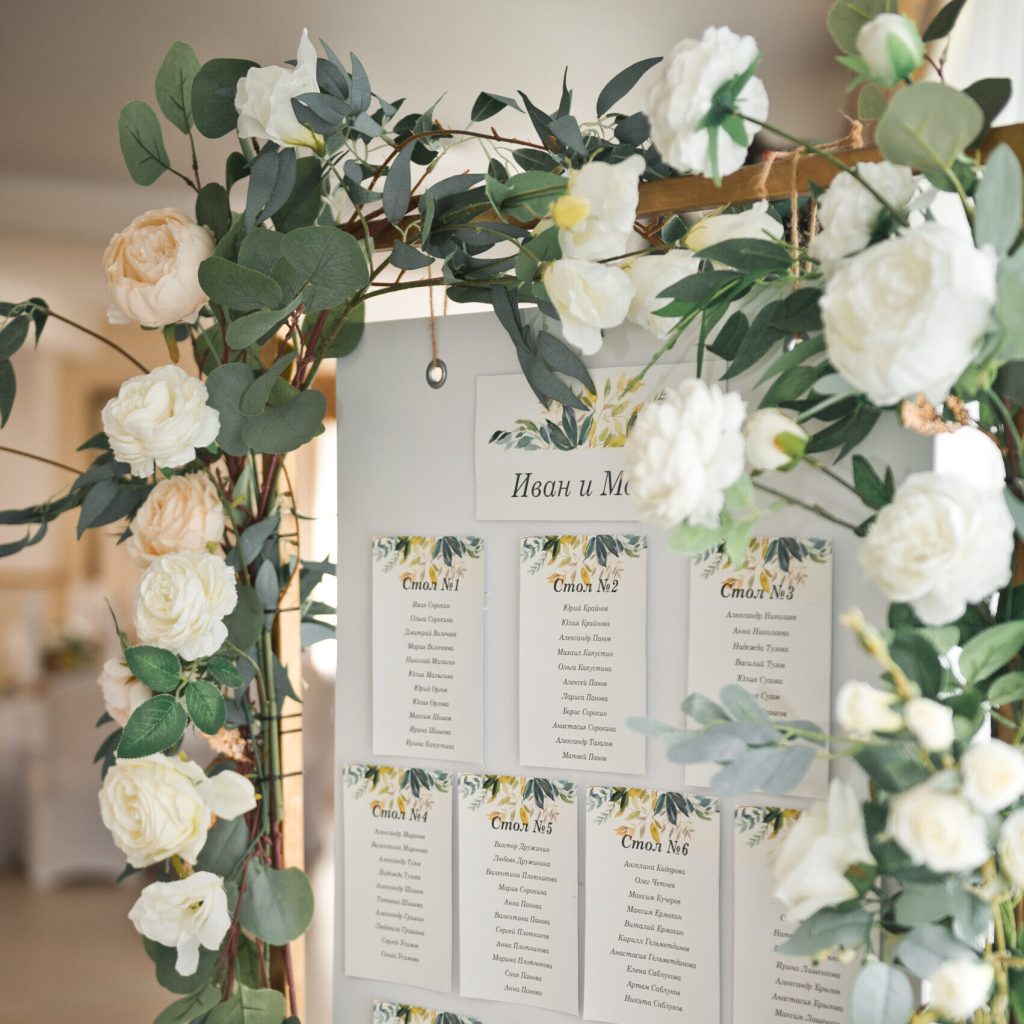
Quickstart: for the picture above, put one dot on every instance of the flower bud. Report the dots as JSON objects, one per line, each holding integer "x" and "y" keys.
{"x": 891, "y": 48}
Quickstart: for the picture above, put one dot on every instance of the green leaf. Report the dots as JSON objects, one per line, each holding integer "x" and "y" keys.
{"x": 928, "y": 947}
{"x": 283, "y": 428}
{"x": 622, "y": 83}
{"x": 225, "y": 386}
{"x": 13, "y": 335}
{"x": 847, "y": 17}
{"x": 258, "y": 393}
{"x": 871, "y": 488}
{"x": 191, "y": 1007}
{"x": 988, "y": 651}
{"x": 277, "y": 905}
{"x": 331, "y": 264}
{"x": 765, "y": 770}
{"x": 212, "y": 209}
{"x": 398, "y": 186}
{"x": 236, "y": 287}
{"x": 250, "y": 1006}
{"x": 174, "y": 84}
{"x": 919, "y": 660}
{"x": 256, "y": 328}
{"x": 213, "y": 95}
{"x": 302, "y": 207}
{"x": 225, "y": 847}
{"x": 1007, "y": 689}
{"x": 871, "y": 102}
{"x": 341, "y": 332}
{"x": 991, "y": 94}
{"x": 160, "y": 670}
{"x": 164, "y": 959}
{"x": 260, "y": 250}
{"x": 142, "y": 143}
{"x": 155, "y": 725}
{"x": 942, "y": 24}
{"x": 8, "y": 391}
{"x": 881, "y": 995}
{"x": 757, "y": 255}
{"x": 205, "y": 705}
{"x": 246, "y": 622}
{"x": 488, "y": 104}
{"x": 254, "y": 537}
{"x": 999, "y": 201}
{"x": 688, "y": 539}
{"x": 225, "y": 673}
{"x": 271, "y": 180}
{"x": 827, "y": 929}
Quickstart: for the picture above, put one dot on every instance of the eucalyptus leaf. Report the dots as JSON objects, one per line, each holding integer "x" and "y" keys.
{"x": 257, "y": 394}
{"x": 882, "y": 994}
{"x": 164, "y": 960}
{"x": 142, "y": 143}
{"x": 213, "y": 95}
{"x": 398, "y": 186}
{"x": 277, "y": 905}
{"x": 765, "y": 770}
{"x": 258, "y": 327}
{"x": 236, "y": 287}
{"x": 250, "y": 1006}
{"x": 256, "y": 536}
{"x": 225, "y": 847}
{"x": 622, "y": 83}
{"x": 245, "y": 623}
{"x": 225, "y": 386}
{"x": 191, "y": 1007}
{"x": 999, "y": 201}
{"x": 330, "y": 263}
{"x": 827, "y": 929}
{"x": 174, "y": 84}
{"x": 283, "y": 428}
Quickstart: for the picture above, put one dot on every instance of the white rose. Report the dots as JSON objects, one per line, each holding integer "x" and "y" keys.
{"x": 849, "y": 213}
{"x": 588, "y": 297}
{"x": 182, "y": 601}
{"x": 862, "y": 710}
{"x": 993, "y": 774}
{"x": 228, "y": 794}
{"x": 159, "y": 419}
{"x": 762, "y": 432}
{"x": 684, "y": 451}
{"x": 651, "y": 275}
{"x": 941, "y": 544}
{"x": 184, "y": 915}
{"x": 152, "y": 269}
{"x": 1011, "y": 848}
{"x": 680, "y": 96}
{"x": 264, "y": 97}
{"x": 930, "y": 723}
{"x": 182, "y": 513}
{"x": 939, "y": 830}
{"x": 756, "y": 222}
{"x": 122, "y": 692}
{"x": 959, "y": 987}
{"x": 904, "y": 316}
{"x": 823, "y": 844}
{"x": 153, "y": 810}
{"x": 891, "y": 48}
{"x": 595, "y": 217}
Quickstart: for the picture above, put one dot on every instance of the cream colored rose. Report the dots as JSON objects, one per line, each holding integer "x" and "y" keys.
{"x": 152, "y": 269}
{"x": 863, "y": 710}
{"x": 159, "y": 419}
{"x": 959, "y": 987}
{"x": 938, "y": 829}
{"x": 756, "y": 222}
{"x": 182, "y": 601}
{"x": 651, "y": 275}
{"x": 185, "y": 915}
{"x": 595, "y": 217}
{"x": 1011, "y": 848}
{"x": 930, "y": 723}
{"x": 588, "y": 297}
{"x": 122, "y": 692}
{"x": 993, "y": 774}
{"x": 762, "y": 433}
{"x": 182, "y": 513}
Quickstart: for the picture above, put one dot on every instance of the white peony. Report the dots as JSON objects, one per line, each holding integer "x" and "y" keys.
{"x": 863, "y": 710}
{"x": 993, "y": 774}
{"x": 682, "y": 89}
{"x": 756, "y": 222}
{"x": 122, "y": 692}
{"x": 651, "y": 275}
{"x": 959, "y": 987}
{"x": 891, "y": 48}
{"x": 182, "y": 601}
{"x": 940, "y": 544}
{"x": 152, "y": 269}
{"x": 939, "y": 830}
{"x": 159, "y": 420}
{"x": 595, "y": 217}
{"x": 182, "y": 513}
{"x": 684, "y": 451}
{"x": 1011, "y": 848}
{"x": 826, "y": 841}
{"x": 184, "y": 915}
{"x": 930, "y": 723}
{"x": 264, "y": 97}
{"x": 588, "y": 297}
{"x": 762, "y": 432}
{"x": 849, "y": 213}
{"x": 228, "y": 794}
{"x": 905, "y": 316}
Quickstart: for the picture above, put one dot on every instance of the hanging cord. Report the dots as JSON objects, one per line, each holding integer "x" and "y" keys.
{"x": 437, "y": 371}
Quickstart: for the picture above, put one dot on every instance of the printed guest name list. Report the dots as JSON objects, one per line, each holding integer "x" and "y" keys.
{"x": 582, "y": 651}
{"x": 428, "y": 600}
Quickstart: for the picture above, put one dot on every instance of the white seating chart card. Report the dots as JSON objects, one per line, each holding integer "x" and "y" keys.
{"x": 398, "y": 866}
{"x": 582, "y": 651}
{"x": 652, "y": 907}
{"x": 766, "y": 985}
{"x": 428, "y": 606}
{"x": 518, "y": 881}
{"x": 402, "y": 1013}
{"x": 767, "y": 625}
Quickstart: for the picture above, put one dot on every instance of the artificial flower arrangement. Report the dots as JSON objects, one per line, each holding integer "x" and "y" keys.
{"x": 870, "y": 308}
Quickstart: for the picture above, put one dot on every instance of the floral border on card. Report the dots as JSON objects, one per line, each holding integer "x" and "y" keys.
{"x": 762, "y": 824}
{"x": 779, "y": 562}
{"x": 390, "y": 788}
{"x": 403, "y": 1013}
{"x": 426, "y": 559}
{"x": 642, "y": 814}
{"x": 516, "y": 798}
{"x": 580, "y": 558}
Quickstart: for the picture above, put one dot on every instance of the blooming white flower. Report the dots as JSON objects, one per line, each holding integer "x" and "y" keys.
{"x": 938, "y": 829}
{"x": 228, "y": 794}
{"x": 756, "y": 222}
{"x": 651, "y": 275}
{"x": 849, "y": 213}
{"x": 959, "y": 987}
{"x": 588, "y": 297}
{"x": 595, "y": 217}
{"x": 152, "y": 269}
{"x": 823, "y": 844}
{"x": 182, "y": 513}
{"x": 940, "y": 544}
{"x": 183, "y": 598}
{"x": 905, "y": 316}
{"x": 159, "y": 419}
{"x": 184, "y": 915}
{"x": 684, "y": 451}
{"x": 264, "y": 97}
{"x": 762, "y": 432}
{"x": 122, "y": 692}
{"x": 1011, "y": 848}
{"x": 993, "y": 774}
{"x": 680, "y": 96}
{"x": 891, "y": 48}
{"x": 863, "y": 710}
{"x": 930, "y": 723}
